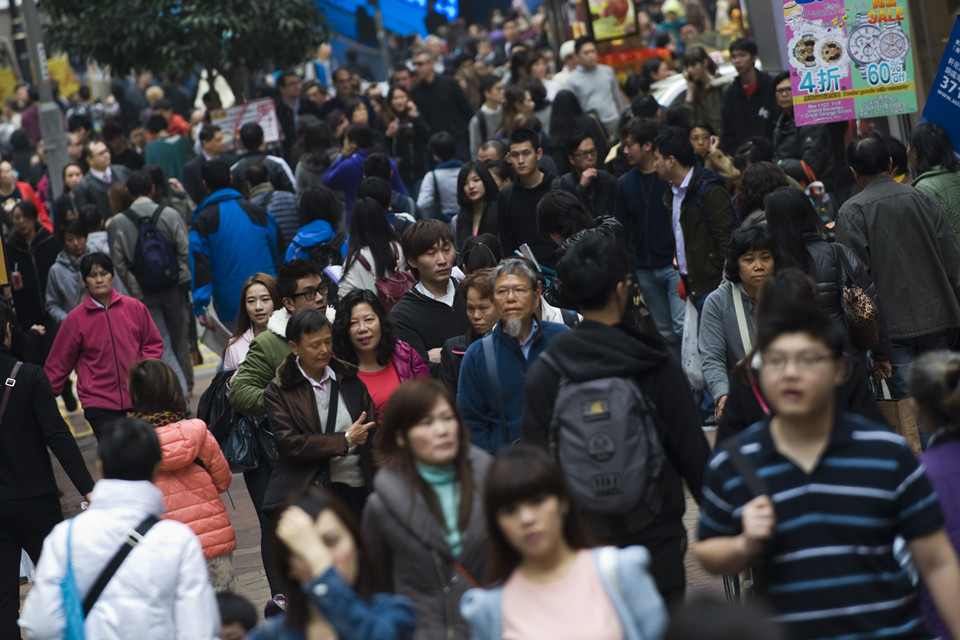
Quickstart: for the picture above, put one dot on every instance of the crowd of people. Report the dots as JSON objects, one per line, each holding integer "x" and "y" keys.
{"x": 474, "y": 327}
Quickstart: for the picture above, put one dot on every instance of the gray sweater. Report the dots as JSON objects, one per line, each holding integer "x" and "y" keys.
{"x": 598, "y": 91}
{"x": 476, "y": 132}
{"x": 720, "y": 345}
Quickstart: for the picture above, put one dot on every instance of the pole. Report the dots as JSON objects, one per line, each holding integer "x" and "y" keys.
{"x": 382, "y": 39}
{"x": 20, "y": 42}
{"x": 50, "y": 116}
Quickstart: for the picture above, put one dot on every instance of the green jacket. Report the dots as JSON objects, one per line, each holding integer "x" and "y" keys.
{"x": 707, "y": 221}
{"x": 945, "y": 187}
{"x": 266, "y": 354}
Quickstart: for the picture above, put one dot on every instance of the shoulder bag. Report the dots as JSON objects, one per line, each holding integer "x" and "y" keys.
{"x": 860, "y": 314}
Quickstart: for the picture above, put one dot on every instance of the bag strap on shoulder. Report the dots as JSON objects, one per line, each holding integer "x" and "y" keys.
{"x": 490, "y": 356}
{"x": 134, "y": 538}
{"x": 156, "y": 214}
{"x": 745, "y": 468}
{"x": 10, "y": 383}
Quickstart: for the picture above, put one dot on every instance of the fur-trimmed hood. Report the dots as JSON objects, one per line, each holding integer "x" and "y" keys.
{"x": 277, "y": 322}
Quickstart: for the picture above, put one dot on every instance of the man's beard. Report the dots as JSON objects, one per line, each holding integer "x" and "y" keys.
{"x": 512, "y": 327}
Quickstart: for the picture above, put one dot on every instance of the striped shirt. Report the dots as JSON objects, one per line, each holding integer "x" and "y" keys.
{"x": 829, "y": 570}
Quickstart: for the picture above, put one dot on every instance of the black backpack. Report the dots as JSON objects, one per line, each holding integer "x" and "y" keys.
{"x": 328, "y": 253}
{"x": 155, "y": 264}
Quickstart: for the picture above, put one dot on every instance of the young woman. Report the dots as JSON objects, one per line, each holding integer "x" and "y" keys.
{"x": 480, "y": 252}
{"x": 475, "y": 289}
{"x": 31, "y": 251}
{"x": 364, "y": 335}
{"x": 477, "y": 196}
{"x": 101, "y": 339}
{"x": 424, "y": 519}
{"x": 65, "y": 207}
{"x": 373, "y": 250}
{"x": 551, "y": 584}
{"x": 704, "y": 99}
{"x": 260, "y": 297}
{"x": 517, "y": 105}
{"x": 13, "y": 191}
{"x": 330, "y": 578}
{"x": 193, "y": 471}
{"x": 537, "y": 67}
{"x": 407, "y": 133}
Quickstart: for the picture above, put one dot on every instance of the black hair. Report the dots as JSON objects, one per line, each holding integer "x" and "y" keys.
{"x": 678, "y": 115}
{"x": 110, "y": 130}
{"x": 282, "y": 78}
{"x": 641, "y": 130}
{"x": 521, "y": 135}
{"x": 582, "y": 40}
{"x": 650, "y": 66}
{"x": 234, "y": 608}
{"x": 898, "y": 155}
{"x": 139, "y": 183}
{"x": 481, "y": 252}
{"x": 696, "y": 55}
{"x": 251, "y": 136}
{"x": 305, "y": 322}
{"x": 377, "y": 165}
{"x": 574, "y": 140}
{"x": 932, "y": 145}
{"x": 702, "y": 124}
{"x": 376, "y": 188}
{"x": 645, "y": 107}
{"x": 79, "y": 121}
{"x": 489, "y": 184}
{"x": 128, "y": 449}
{"x": 75, "y": 227}
{"x": 422, "y": 236}
{"x": 341, "y": 327}
{"x": 672, "y": 142}
{"x": 256, "y": 174}
{"x": 636, "y": 85}
{"x": 591, "y": 269}
{"x": 156, "y": 123}
{"x": 163, "y": 104}
{"x": 320, "y": 203}
{"x": 869, "y": 155}
{"x": 89, "y": 216}
{"x": 792, "y": 219}
{"x": 360, "y": 134}
{"x": 216, "y": 175}
{"x": 502, "y": 169}
{"x": 744, "y": 240}
{"x": 94, "y": 259}
{"x": 753, "y": 150}
{"x": 744, "y": 44}
{"x": 442, "y": 145}
{"x": 757, "y": 181}
{"x": 292, "y": 271}
{"x": 560, "y": 212}
{"x": 313, "y": 140}
{"x": 784, "y": 306}
{"x": 488, "y": 82}
{"x": 369, "y": 229}
{"x": 28, "y": 209}
{"x": 208, "y": 132}
{"x": 162, "y": 194}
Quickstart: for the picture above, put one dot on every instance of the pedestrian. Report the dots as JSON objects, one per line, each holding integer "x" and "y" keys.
{"x": 804, "y": 153}
{"x": 704, "y": 96}
{"x": 477, "y": 193}
{"x": 317, "y": 152}
{"x": 407, "y": 133}
{"x": 321, "y": 225}
{"x": 936, "y": 168}
{"x": 595, "y": 85}
{"x": 93, "y": 188}
{"x": 438, "y": 197}
{"x": 483, "y": 316}
{"x": 373, "y": 252}
{"x": 260, "y": 297}
{"x": 254, "y": 152}
{"x": 750, "y": 104}
{"x": 65, "y": 207}
{"x": 282, "y": 205}
{"x": 592, "y": 186}
{"x": 31, "y": 251}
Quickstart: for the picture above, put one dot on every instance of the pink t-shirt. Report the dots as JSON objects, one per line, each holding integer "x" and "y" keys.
{"x": 572, "y": 608}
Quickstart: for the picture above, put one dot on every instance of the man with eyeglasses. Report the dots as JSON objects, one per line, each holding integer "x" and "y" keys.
{"x": 490, "y": 395}
{"x": 593, "y": 187}
{"x": 804, "y": 153}
{"x": 95, "y": 186}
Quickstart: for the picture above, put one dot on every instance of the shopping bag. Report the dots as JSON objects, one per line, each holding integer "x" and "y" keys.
{"x": 900, "y": 417}
{"x": 690, "y": 347}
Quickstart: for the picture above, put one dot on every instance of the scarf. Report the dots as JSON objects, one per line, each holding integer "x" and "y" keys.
{"x": 159, "y": 419}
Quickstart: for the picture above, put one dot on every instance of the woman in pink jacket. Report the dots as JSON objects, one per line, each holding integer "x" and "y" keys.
{"x": 193, "y": 471}
{"x": 101, "y": 338}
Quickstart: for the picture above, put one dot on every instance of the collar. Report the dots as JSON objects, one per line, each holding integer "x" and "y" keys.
{"x": 94, "y": 304}
{"x": 451, "y": 163}
{"x": 263, "y": 187}
{"x": 446, "y": 299}
{"x": 102, "y": 176}
{"x": 144, "y": 199}
{"x": 485, "y": 109}
{"x": 140, "y": 495}
{"x": 328, "y": 374}
{"x": 683, "y": 185}
{"x": 842, "y": 432}
{"x": 534, "y": 329}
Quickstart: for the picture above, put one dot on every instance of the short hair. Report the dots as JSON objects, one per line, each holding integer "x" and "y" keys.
{"x": 282, "y": 78}
{"x": 636, "y": 85}
{"x": 28, "y": 209}
{"x": 560, "y": 212}
{"x": 377, "y": 165}
{"x": 744, "y": 44}
{"x": 788, "y": 304}
{"x": 501, "y": 168}
{"x": 443, "y": 145}
{"x": 251, "y": 136}
{"x": 488, "y": 82}
{"x": 591, "y": 269}
{"x": 753, "y": 150}
{"x": 678, "y": 115}
{"x": 128, "y": 449}
{"x": 644, "y": 107}
{"x": 139, "y": 183}
{"x": 869, "y": 154}
{"x": 641, "y": 130}
{"x": 154, "y": 388}
{"x": 497, "y": 145}
{"x": 292, "y": 271}
{"x": 521, "y": 135}
{"x": 360, "y": 134}
{"x": 514, "y": 266}
{"x": 305, "y": 322}
{"x": 582, "y": 40}
{"x": 932, "y": 145}
{"x": 423, "y": 51}
{"x": 74, "y": 227}
{"x": 898, "y": 155}
{"x": 88, "y": 148}
{"x": 97, "y": 258}
{"x": 575, "y": 140}
{"x": 676, "y": 143}
{"x": 89, "y": 216}
{"x": 235, "y": 608}
{"x": 702, "y": 124}
{"x": 744, "y": 240}
{"x": 157, "y": 123}
{"x": 422, "y": 236}
{"x": 651, "y": 66}
{"x": 208, "y": 132}
{"x": 111, "y": 130}
{"x": 478, "y": 280}
{"x": 163, "y": 104}
{"x": 78, "y": 121}
{"x": 376, "y": 188}
{"x": 216, "y": 175}
{"x": 320, "y": 203}
{"x": 256, "y": 174}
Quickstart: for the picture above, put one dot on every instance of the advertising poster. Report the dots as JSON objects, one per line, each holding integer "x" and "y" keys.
{"x": 612, "y": 19}
{"x": 263, "y": 112}
{"x": 943, "y": 103}
{"x": 849, "y": 59}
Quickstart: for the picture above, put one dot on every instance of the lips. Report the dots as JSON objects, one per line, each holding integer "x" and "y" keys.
{"x": 532, "y": 539}
{"x": 365, "y": 340}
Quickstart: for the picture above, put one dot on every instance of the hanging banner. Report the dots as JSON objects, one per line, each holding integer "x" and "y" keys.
{"x": 943, "y": 103}
{"x": 263, "y": 112}
{"x": 849, "y": 59}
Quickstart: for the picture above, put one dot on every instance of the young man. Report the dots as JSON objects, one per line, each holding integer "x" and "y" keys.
{"x": 517, "y": 202}
{"x": 438, "y": 191}
{"x": 834, "y": 491}
{"x": 254, "y": 145}
{"x": 639, "y": 206}
{"x": 486, "y": 120}
{"x": 593, "y": 187}
{"x": 211, "y": 145}
{"x": 701, "y": 214}
{"x": 64, "y": 284}
{"x": 432, "y": 311}
{"x": 96, "y": 183}
{"x": 594, "y": 271}
{"x": 595, "y": 85}
{"x": 440, "y": 99}
{"x": 750, "y": 105}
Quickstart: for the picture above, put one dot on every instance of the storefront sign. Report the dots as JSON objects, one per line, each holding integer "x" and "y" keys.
{"x": 943, "y": 103}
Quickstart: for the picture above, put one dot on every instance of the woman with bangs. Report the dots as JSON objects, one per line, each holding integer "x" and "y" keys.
{"x": 424, "y": 522}
{"x": 550, "y": 582}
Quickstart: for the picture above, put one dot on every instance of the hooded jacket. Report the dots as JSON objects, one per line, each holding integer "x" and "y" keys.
{"x": 744, "y": 116}
{"x": 102, "y": 343}
{"x": 594, "y": 350}
{"x": 124, "y": 234}
{"x": 282, "y": 205}
{"x": 607, "y": 226}
{"x": 34, "y": 262}
{"x": 406, "y": 540}
{"x": 425, "y": 323}
{"x": 310, "y": 235}
{"x": 596, "y": 198}
{"x": 191, "y": 492}
{"x": 65, "y": 287}
{"x": 517, "y": 219}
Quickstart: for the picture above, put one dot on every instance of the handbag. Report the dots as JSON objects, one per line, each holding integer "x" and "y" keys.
{"x": 860, "y": 314}
{"x": 391, "y": 288}
{"x": 690, "y": 347}
{"x": 900, "y": 417}
{"x": 240, "y": 448}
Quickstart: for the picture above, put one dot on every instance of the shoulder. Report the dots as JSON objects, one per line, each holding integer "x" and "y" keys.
{"x": 551, "y": 329}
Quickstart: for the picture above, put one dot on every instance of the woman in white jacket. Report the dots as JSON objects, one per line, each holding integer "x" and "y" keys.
{"x": 373, "y": 249}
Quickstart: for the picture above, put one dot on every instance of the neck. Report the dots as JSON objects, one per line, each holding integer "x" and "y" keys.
{"x": 525, "y": 328}
{"x": 551, "y": 566}
{"x": 478, "y": 208}
{"x": 310, "y": 371}
{"x": 645, "y": 165}
{"x": 750, "y": 290}
{"x": 436, "y": 289}
{"x": 680, "y": 174}
{"x": 531, "y": 179}
{"x": 609, "y": 315}
{"x": 492, "y": 105}
{"x": 748, "y": 77}
{"x": 30, "y": 235}
{"x": 104, "y": 299}
{"x": 367, "y": 361}
{"x": 795, "y": 431}
{"x": 258, "y": 330}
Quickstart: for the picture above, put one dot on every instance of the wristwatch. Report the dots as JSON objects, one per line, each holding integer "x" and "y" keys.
{"x": 893, "y": 42}
{"x": 350, "y": 443}
{"x": 863, "y": 44}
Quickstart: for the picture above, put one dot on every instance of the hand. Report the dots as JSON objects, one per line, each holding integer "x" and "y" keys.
{"x": 587, "y": 177}
{"x": 359, "y": 430}
{"x": 434, "y": 354}
{"x": 882, "y": 370}
{"x": 392, "y": 129}
{"x": 758, "y": 521}
{"x": 176, "y": 186}
{"x": 347, "y": 149}
{"x": 297, "y": 530}
{"x": 412, "y": 110}
{"x": 205, "y": 321}
{"x": 714, "y": 143}
{"x": 88, "y": 497}
{"x": 721, "y": 403}
{"x": 39, "y": 328}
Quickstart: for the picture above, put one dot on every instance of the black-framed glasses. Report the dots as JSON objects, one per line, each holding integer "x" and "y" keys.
{"x": 592, "y": 153}
{"x": 310, "y": 293}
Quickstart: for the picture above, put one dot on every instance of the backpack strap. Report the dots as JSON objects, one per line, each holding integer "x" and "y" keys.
{"x": 134, "y": 538}
{"x": 494, "y": 376}
{"x": 156, "y": 214}
{"x": 10, "y": 383}
{"x": 745, "y": 468}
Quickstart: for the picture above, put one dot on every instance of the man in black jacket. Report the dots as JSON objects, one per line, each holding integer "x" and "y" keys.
{"x": 750, "y": 105}
{"x": 594, "y": 275}
{"x": 442, "y": 102}
{"x": 29, "y": 505}
{"x": 593, "y": 187}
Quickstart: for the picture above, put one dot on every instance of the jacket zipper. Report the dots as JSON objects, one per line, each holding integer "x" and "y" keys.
{"x": 116, "y": 359}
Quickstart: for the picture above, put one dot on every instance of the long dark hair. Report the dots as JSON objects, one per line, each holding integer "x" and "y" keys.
{"x": 314, "y": 139}
{"x": 490, "y": 189}
{"x": 789, "y": 217}
{"x": 932, "y": 145}
{"x": 341, "y": 327}
{"x": 369, "y": 228}
{"x": 520, "y": 473}
{"x": 408, "y": 405}
{"x": 243, "y": 319}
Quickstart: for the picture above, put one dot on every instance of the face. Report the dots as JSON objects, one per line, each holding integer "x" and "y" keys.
{"x": 632, "y": 150}
{"x": 316, "y": 96}
{"x": 694, "y": 71}
{"x": 526, "y": 106}
{"x": 510, "y": 31}
{"x": 360, "y": 114}
{"x": 311, "y": 293}
{"x": 663, "y": 71}
{"x": 364, "y": 328}
{"x": 314, "y": 350}
{"x": 585, "y": 156}
{"x": 291, "y": 88}
{"x": 100, "y": 156}
{"x": 324, "y": 50}
{"x": 539, "y": 69}
{"x": 338, "y": 539}
{"x": 74, "y": 244}
{"x": 434, "y": 440}
{"x": 233, "y": 631}
{"x": 462, "y": 81}
{"x": 403, "y": 78}
{"x": 482, "y": 68}
{"x": 798, "y": 375}
{"x": 343, "y": 84}
{"x": 99, "y": 282}
{"x": 514, "y": 298}
{"x": 742, "y": 61}
{"x": 533, "y": 527}
{"x": 74, "y": 147}
{"x": 785, "y": 95}
{"x": 588, "y": 55}
{"x": 755, "y": 267}
{"x": 7, "y": 175}
{"x": 22, "y": 223}
{"x": 663, "y": 166}
{"x": 423, "y": 66}
{"x": 434, "y": 265}
{"x": 524, "y": 158}
{"x": 139, "y": 137}
{"x": 214, "y": 145}
{"x": 398, "y": 101}
{"x": 481, "y": 312}
{"x": 484, "y": 48}
{"x": 700, "y": 139}
{"x": 473, "y": 187}
{"x": 259, "y": 306}
{"x": 688, "y": 33}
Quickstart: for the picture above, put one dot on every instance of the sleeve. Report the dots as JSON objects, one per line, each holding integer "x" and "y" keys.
{"x": 63, "y": 355}
{"x": 642, "y": 597}
{"x": 407, "y": 332}
{"x": 719, "y": 511}
{"x": 508, "y": 238}
{"x": 474, "y": 129}
{"x": 850, "y": 231}
{"x": 212, "y": 457}
{"x": 201, "y": 270}
{"x": 336, "y": 175}
{"x": 181, "y": 241}
{"x": 615, "y": 91}
{"x": 376, "y": 539}
{"x": 384, "y": 617}
{"x": 949, "y": 249}
{"x": 57, "y": 434}
{"x": 292, "y": 187}
{"x": 463, "y": 104}
{"x": 80, "y": 195}
{"x": 55, "y": 297}
{"x": 919, "y": 512}
{"x": 273, "y": 240}
{"x": 472, "y": 393}
{"x": 151, "y": 344}
{"x": 42, "y": 617}
{"x": 540, "y": 391}
{"x": 292, "y": 442}
{"x": 253, "y": 376}
{"x": 728, "y": 143}
{"x": 420, "y": 370}
{"x": 448, "y": 369}
{"x": 720, "y": 217}
{"x": 195, "y": 612}
{"x": 122, "y": 260}
{"x": 425, "y": 198}
{"x": 713, "y": 343}
{"x": 395, "y": 181}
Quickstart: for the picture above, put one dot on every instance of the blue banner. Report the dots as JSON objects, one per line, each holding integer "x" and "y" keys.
{"x": 943, "y": 103}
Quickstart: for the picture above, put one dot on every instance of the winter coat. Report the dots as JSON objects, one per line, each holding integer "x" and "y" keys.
{"x": 809, "y": 144}
{"x": 305, "y": 451}
{"x": 102, "y": 343}
{"x": 463, "y": 223}
{"x": 607, "y": 226}
{"x": 708, "y": 105}
{"x": 310, "y": 175}
{"x": 309, "y": 236}
{"x": 346, "y": 173}
{"x": 65, "y": 287}
{"x": 425, "y": 323}
{"x": 902, "y": 236}
{"x": 281, "y": 177}
{"x": 517, "y": 218}
{"x": 407, "y": 148}
{"x": 407, "y": 542}
{"x": 282, "y": 205}
{"x": 477, "y": 393}
{"x": 633, "y": 593}
{"x": 945, "y": 187}
{"x": 721, "y": 346}
{"x": 123, "y": 235}
{"x": 638, "y": 206}
{"x": 438, "y": 191}
{"x": 596, "y": 198}
{"x": 451, "y": 358}
{"x": 92, "y": 190}
{"x": 744, "y": 116}
{"x": 34, "y": 262}
{"x": 161, "y": 591}
{"x": 193, "y": 474}
{"x": 408, "y": 363}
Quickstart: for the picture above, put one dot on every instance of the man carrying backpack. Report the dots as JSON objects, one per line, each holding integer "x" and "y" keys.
{"x": 625, "y": 427}
{"x": 149, "y": 246}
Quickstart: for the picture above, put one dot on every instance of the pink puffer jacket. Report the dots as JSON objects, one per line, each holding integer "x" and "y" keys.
{"x": 191, "y": 493}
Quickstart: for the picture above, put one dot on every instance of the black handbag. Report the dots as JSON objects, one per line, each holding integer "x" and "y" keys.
{"x": 240, "y": 447}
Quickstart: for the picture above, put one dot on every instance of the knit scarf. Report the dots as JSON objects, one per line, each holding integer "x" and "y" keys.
{"x": 159, "y": 419}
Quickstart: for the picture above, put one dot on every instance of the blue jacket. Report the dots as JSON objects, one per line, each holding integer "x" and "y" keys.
{"x": 230, "y": 240}
{"x": 632, "y": 592}
{"x": 346, "y": 174}
{"x": 310, "y": 235}
{"x": 384, "y": 617}
{"x": 477, "y": 396}
{"x": 638, "y": 206}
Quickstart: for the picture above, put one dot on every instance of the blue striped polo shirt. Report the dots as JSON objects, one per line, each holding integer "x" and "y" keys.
{"x": 830, "y": 573}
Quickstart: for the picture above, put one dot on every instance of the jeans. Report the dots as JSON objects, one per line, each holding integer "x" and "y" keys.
{"x": 905, "y": 352}
{"x": 167, "y": 308}
{"x": 660, "y": 288}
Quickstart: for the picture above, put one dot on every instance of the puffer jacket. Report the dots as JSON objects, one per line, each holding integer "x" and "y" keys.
{"x": 283, "y": 205}
{"x": 408, "y": 363}
{"x": 191, "y": 492}
{"x": 945, "y": 187}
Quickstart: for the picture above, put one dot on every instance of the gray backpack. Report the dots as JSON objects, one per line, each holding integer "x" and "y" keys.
{"x": 604, "y": 435}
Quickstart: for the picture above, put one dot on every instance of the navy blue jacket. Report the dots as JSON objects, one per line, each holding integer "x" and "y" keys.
{"x": 638, "y": 206}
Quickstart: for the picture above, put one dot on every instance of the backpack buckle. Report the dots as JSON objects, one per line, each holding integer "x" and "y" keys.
{"x": 11, "y": 382}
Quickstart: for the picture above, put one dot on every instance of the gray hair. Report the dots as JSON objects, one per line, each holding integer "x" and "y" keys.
{"x": 514, "y": 266}
{"x": 934, "y": 382}
{"x": 423, "y": 51}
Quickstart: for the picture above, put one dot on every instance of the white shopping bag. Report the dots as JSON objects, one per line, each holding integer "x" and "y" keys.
{"x": 690, "y": 347}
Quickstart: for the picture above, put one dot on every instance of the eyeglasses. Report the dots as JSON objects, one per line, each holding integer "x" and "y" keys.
{"x": 784, "y": 91}
{"x": 519, "y": 292}
{"x": 805, "y": 362}
{"x": 311, "y": 292}
{"x": 419, "y": 63}
{"x": 592, "y": 153}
